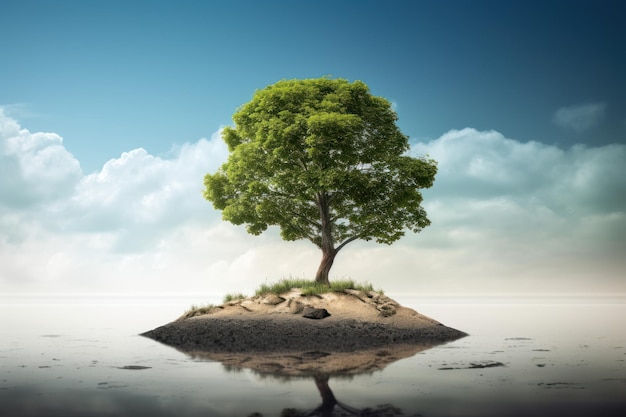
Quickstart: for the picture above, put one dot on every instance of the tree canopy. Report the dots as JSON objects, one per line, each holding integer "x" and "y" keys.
{"x": 323, "y": 160}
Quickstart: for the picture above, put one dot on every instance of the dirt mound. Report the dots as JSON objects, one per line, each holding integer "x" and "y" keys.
{"x": 275, "y": 323}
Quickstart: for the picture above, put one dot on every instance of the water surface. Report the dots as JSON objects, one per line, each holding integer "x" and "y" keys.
{"x": 81, "y": 356}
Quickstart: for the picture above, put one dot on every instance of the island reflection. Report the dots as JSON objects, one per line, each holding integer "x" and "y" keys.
{"x": 320, "y": 367}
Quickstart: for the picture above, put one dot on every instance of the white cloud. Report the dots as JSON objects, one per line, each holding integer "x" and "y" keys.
{"x": 35, "y": 168}
{"x": 507, "y": 216}
{"x": 55, "y": 222}
{"x": 140, "y": 197}
{"x": 485, "y": 165}
{"x": 580, "y": 117}
{"x": 501, "y": 209}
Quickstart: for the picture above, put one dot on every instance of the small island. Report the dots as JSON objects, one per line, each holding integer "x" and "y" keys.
{"x": 349, "y": 328}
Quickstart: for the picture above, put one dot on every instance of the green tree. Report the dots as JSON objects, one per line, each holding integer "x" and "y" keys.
{"x": 323, "y": 160}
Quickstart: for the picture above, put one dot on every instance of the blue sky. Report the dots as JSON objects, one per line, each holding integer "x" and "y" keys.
{"x": 109, "y": 107}
{"x": 111, "y": 76}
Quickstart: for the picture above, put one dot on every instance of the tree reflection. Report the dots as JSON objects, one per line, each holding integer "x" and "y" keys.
{"x": 320, "y": 367}
{"x": 331, "y": 407}
{"x": 328, "y": 399}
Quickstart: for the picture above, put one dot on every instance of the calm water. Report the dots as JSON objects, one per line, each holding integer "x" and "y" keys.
{"x": 540, "y": 356}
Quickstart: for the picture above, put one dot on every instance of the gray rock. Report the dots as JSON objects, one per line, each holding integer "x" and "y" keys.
{"x": 315, "y": 313}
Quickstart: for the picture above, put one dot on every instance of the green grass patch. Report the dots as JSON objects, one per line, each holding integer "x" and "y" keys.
{"x": 198, "y": 310}
{"x": 233, "y": 297}
{"x": 283, "y": 286}
{"x": 310, "y": 287}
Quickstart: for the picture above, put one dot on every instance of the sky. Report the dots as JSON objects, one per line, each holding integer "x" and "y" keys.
{"x": 111, "y": 112}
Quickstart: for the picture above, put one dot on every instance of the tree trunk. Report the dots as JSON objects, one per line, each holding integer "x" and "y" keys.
{"x": 327, "y": 245}
{"x": 321, "y": 277}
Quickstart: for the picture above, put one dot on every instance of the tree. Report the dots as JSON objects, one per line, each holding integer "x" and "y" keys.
{"x": 323, "y": 160}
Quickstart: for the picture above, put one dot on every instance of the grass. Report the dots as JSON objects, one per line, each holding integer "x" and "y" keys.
{"x": 233, "y": 297}
{"x": 199, "y": 309}
{"x": 310, "y": 287}
{"x": 282, "y": 286}
{"x": 207, "y": 307}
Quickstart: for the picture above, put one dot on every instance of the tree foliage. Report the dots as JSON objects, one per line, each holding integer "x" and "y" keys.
{"x": 323, "y": 160}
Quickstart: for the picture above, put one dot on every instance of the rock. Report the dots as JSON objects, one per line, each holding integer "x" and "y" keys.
{"x": 315, "y": 313}
{"x": 373, "y": 295}
{"x": 387, "y": 309}
{"x": 358, "y": 294}
{"x": 295, "y": 307}
{"x": 273, "y": 300}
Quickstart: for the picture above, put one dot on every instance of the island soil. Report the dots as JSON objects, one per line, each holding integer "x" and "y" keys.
{"x": 358, "y": 321}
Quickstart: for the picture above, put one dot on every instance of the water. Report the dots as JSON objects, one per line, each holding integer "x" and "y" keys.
{"x": 81, "y": 356}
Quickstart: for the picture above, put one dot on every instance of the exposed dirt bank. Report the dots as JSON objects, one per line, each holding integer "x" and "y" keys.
{"x": 275, "y": 323}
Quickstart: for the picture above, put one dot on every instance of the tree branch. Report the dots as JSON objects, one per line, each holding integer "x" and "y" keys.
{"x": 345, "y": 242}
{"x": 306, "y": 219}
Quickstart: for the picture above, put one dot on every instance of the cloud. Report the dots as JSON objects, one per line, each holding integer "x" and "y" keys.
{"x": 505, "y": 210}
{"x": 580, "y": 117}
{"x": 140, "y": 195}
{"x": 35, "y": 168}
{"x": 61, "y": 227}
{"x": 506, "y": 216}
{"x": 19, "y": 111}
{"x": 482, "y": 166}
